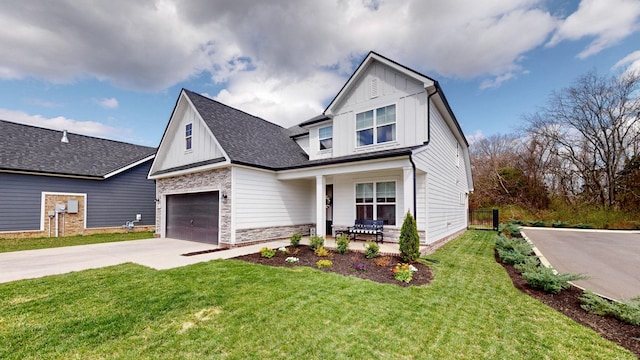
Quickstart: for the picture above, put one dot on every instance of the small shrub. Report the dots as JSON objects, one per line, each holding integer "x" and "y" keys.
{"x": 371, "y": 250}
{"x": 382, "y": 261}
{"x": 512, "y": 250}
{"x": 315, "y": 242}
{"x": 321, "y": 264}
{"x": 360, "y": 267}
{"x": 267, "y": 253}
{"x": 559, "y": 224}
{"x": 512, "y": 230}
{"x": 583, "y": 226}
{"x": 321, "y": 251}
{"x": 547, "y": 280}
{"x": 628, "y": 312}
{"x": 529, "y": 264}
{"x": 293, "y": 251}
{"x": 409, "y": 242}
{"x": 342, "y": 244}
{"x": 295, "y": 239}
{"x": 537, "y": 223}
{"x": 404, "y": 272}
{"x": 516, "y": 222}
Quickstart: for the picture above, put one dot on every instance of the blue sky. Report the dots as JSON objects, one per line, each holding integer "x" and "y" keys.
{"x": 114, "y": 69}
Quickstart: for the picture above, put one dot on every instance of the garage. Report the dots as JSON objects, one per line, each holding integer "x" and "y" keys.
{"x": 193, "y": 217}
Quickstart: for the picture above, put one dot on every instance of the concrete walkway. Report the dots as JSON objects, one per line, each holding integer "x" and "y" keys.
{"x": 158, "y": 254}
{"x": 611, "y": 259}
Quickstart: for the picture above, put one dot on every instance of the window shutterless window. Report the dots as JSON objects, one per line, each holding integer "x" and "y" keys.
{"x": 382, "y": 206}
{"x": 376, "y": 126}
{"x": 188, "y": 131}
{"x": 326, "y": 137}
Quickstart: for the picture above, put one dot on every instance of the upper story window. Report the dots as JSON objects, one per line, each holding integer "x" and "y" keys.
{"x": 376, "y": 126}
{"x": 188, "y": 132}
{"x": 326, "y": 137}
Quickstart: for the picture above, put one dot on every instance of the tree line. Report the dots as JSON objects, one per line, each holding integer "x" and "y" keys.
{"x": 581, "y": 147}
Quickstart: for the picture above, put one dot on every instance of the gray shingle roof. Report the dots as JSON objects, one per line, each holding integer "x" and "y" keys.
{"x": 34, "y": 149}
{"x": 248, "y": 139}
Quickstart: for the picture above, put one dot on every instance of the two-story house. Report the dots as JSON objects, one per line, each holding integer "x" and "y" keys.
{"x": 388, "y": 143}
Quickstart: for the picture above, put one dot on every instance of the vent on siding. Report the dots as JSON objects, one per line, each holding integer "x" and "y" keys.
{"x": 374, "y": 88}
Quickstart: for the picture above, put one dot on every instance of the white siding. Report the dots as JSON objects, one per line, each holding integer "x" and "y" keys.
{"x": 406, "y": 93}
{"x": 261, "y": 200}
{"x": 174, "y": 153}
{"x": 303, "y": 142}
{"x": 446, "y": 182}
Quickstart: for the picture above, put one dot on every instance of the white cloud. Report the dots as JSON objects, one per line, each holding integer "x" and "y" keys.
{"x": 109, "y": 103}
{"x": 91, "y": 128}
{"x": 283, "y": 59}
{"x": 607, "y": 22}
{"x": 631, "y": 62}
{"x": 475, "y": 137}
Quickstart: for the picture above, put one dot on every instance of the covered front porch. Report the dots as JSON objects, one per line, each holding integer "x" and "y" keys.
{"x": 381, "y": 189}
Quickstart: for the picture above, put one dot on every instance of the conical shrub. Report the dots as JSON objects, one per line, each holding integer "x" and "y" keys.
{"x": 409, "y": 239}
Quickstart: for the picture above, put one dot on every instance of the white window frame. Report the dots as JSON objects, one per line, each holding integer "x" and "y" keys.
{"x": 375, "y": 201}
{"x": 375, "y": 126}
{"x": 320, "y": 138}
{"x": 188, "y": 137}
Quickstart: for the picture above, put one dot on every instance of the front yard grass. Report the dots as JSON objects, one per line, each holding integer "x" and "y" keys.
{"x": 7, "y": 245}
{"x": 235, "y": 310}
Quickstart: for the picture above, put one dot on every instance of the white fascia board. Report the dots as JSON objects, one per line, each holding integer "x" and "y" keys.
{"x": 130, "y": 166}
{"x": 190, "y": 170}
{"x": 345, "y": 168}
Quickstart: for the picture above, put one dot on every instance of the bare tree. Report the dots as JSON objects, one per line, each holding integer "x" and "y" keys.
{"x": 594, "y": 127}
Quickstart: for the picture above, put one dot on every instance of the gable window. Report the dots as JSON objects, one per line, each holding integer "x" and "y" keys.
{"x": 376, "y": 126}
{"x": 188, "y": 132}
{"x": 326, "y": 137}
{"x": 382, "y": 206}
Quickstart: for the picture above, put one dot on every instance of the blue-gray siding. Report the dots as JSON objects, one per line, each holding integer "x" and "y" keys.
{"x": 110, "y": 202}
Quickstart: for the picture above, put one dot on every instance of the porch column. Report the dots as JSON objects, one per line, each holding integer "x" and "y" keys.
{"x": 320, "y": 206}
{"x": 407, "y": 177}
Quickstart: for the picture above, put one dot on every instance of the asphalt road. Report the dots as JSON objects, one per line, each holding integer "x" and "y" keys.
{"x": 611, "y": 259}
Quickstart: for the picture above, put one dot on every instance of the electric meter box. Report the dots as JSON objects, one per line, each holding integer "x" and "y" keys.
{"x": 72, "y": 206}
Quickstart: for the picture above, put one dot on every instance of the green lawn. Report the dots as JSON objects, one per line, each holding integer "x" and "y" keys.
{"x": 235, "y": 310}
{"x": 7, "y": 245}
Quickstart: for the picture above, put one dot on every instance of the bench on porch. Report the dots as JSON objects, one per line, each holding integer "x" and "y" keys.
{"x": 366, "y": 227}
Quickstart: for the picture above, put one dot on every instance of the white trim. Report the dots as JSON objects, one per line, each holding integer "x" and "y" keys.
{"x": 42, "y": 209}
{"x": 129, "y": 166}
{"x": 375, "y": 126}
{"x": 219, "y": 165}
{"x": 346, "y": 168}
{"x": 233, "y": 225}
{"x": 52, "y": 175}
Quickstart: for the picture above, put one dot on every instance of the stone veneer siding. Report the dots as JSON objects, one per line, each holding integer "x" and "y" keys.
{"x": 211, "y": 180}
{"x": 249, "y": 236}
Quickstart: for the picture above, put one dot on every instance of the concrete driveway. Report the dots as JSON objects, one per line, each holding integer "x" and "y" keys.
{"x": 154, "y": 253}
{"x": 611, "y": 259}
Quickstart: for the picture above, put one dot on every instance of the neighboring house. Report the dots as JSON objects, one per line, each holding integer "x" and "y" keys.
{"x": 388, "y": 143}
{"x": 101, "y": 183}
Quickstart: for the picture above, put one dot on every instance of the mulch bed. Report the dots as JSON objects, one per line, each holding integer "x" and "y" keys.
{"x": 344, "y": 264}
{"x": 568, "y": 303}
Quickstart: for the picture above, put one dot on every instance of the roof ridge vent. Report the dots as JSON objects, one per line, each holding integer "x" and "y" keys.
{"x": 64, "y": 139}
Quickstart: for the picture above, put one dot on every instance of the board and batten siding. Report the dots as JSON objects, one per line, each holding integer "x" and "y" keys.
{"x": 174, "y": 153}
{"x": 261, "y": 200}
{"x": 446, "y": 182}
{"x": 110, "y": 202}
{"x": 406, "y": 93}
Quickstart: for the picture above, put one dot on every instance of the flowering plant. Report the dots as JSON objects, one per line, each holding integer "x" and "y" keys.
{"x": 404, "y": 272}
{"x": 282, "y": 249}
{"x": 360, "y": 267}
{"x": 291, "y": 260}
